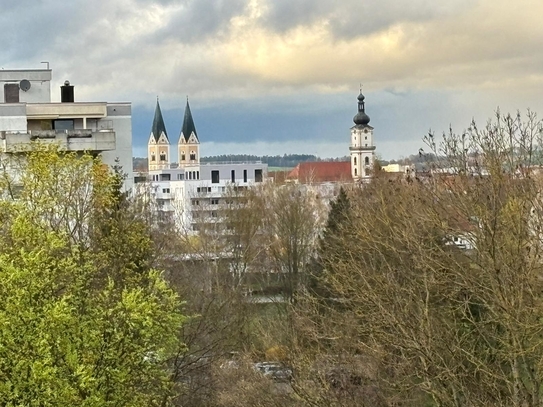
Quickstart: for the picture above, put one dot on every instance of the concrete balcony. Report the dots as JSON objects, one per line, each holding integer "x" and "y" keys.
{"x": 65, "y": 110}
{"x": 66, "y": 140}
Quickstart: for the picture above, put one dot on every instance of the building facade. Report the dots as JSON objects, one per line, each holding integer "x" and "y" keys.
{"x": 27, "y": 114}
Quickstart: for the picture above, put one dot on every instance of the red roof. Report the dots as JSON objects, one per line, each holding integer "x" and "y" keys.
{"x": 322, "y": 171}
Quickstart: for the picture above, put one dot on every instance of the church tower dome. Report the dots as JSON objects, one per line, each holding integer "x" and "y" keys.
{"x": 361, "y": 118}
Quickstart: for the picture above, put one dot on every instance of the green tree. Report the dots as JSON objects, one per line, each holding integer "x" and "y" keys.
{"x": 84, "y": 319}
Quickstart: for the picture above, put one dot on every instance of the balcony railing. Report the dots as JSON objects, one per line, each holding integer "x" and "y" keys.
{"x": 69, "y": 140}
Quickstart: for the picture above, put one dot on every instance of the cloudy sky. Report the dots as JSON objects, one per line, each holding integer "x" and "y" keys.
{"x": 282, "y": 76}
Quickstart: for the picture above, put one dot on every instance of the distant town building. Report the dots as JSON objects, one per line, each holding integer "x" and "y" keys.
{"x": 27, "y": 114}
{"x": 321, "y": 172}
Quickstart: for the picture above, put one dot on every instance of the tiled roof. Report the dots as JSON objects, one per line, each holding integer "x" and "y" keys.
{"x": 323, "y": 171}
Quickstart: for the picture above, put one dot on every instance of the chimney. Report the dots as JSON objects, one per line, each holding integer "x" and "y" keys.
{"x": 67, "y": 93}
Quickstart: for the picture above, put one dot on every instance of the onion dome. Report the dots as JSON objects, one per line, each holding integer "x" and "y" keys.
{"x": 361, "y": 118}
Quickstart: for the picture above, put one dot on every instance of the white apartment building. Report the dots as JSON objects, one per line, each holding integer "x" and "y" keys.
{"x": 28, "y": 114}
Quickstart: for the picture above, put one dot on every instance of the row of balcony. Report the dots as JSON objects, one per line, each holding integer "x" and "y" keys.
{"x": 68, "y": 140}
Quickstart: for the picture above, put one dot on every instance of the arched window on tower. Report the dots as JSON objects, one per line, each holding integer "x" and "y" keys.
{"x": 354, "y": 162}
{"x": 183, "y": 155}
{"x": 192, "y": 156}
{"x": 162, "y": 156}
{"x": 367, "y": 161}
{"x": 355, "y": 172}
{"x": 153, "y": 158}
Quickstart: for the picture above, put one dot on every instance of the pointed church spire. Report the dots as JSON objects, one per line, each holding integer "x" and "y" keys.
{"x": 158, "y": 124}
{"x": 188, "y": 124}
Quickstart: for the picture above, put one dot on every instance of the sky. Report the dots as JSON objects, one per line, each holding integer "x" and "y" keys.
{"x": 271, "y": 77}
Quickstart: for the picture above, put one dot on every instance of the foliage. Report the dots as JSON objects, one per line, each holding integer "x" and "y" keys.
{"x": 84, "y": 320}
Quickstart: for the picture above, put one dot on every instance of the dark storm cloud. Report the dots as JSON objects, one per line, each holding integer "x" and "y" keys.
{"x": 198, "y": 20}
{"x": 351, "y": 18}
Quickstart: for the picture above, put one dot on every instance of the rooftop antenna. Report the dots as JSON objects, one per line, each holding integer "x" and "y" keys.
{"x": 45, "y": 62}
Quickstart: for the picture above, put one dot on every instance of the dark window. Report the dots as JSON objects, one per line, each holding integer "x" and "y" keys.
{"x": 355, "y": 172}
{"x": 233, "y": 175}
{"x": 11, "y": 93}
{"x": 63, "y": 124}
{"x": 244, "y": 175}
{"x": 153, "y": 157}
{"x": 209, "y": 189}
{"x": 192, "y": 156}
{"x": 258, "y": 175}
{"x": 197, "y": 174}
{"x": 182, "y": 157}
{"x": 214, "y": 177}
{"x": 165, "y": 177}
{"x": 190, "y": 175}
{"x": 162, "y": 156}
{"x": 354, "y": 161}
{"x": 367, "y": 160}
{"x": 214, "y": 202}
{"x": 165, "y": 190}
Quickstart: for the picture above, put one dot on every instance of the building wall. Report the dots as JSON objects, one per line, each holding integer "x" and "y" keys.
{"x": 40, "y": 84}
{"x": 13, "y": 117}
{"x": 120, "y": 116}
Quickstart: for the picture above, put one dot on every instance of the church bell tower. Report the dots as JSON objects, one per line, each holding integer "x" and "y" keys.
{"x": 158, "y": 147}
{"x": 362, "y": 148}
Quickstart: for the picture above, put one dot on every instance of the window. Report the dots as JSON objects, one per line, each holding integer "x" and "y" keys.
{"x": 64, "y": 124}
{"x": 365, "y": 138}
{"x": 190, "y": 175}
{"x": 162, "y": 156}
{"x": 11, "y": 93}
{"x": 244, "y": 175}
{"x": 213, "y": 214}
{"x": 153, "y": 158}
{"x": 192, "y": 156}
{"x": 214, "y": 177}
{"x": 182, "y": 156}
{"x": 367, "y": 161}
{"x": 233, "y": 179}
{"x": 258, "y": 175}
{"x": 180, "y": 177}
{"x": 165, "y": 177}
{"x": 209, "y": 189}
{"x": 165, "y": 190}
{"x": 355, "y": 172}
{"x": 195, "y": 202}
{"x": 197, "y": 174}
{"x": 215, "y": 201}
{"x": 354, "y": 162}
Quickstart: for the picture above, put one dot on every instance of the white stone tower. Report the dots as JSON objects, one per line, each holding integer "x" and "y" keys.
{"x": 158, "y": 147}
{"x": 362, "y": 148}
{"x": 189, "y": 145}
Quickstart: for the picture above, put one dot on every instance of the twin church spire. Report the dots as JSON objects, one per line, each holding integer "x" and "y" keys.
{"x": 159, "y": 144}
